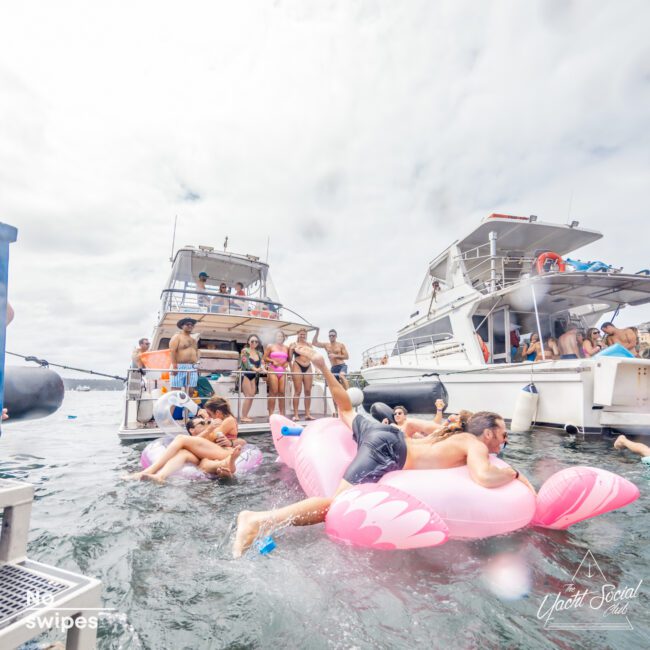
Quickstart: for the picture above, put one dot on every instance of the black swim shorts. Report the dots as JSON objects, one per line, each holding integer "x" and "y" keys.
{"x": 381, "y": 449}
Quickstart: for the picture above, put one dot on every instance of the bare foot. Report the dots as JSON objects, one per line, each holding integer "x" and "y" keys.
{"x": 248, "y": 527}
{"x": 246, "y": 420}
{"x": 153, "y": 477}
{"x": 309, "y": 417}
{"x": 135, "y": 476}
{"x": 312, "y": 355}
{"x": 295, "y": 418}
{"x": 619, "y": 443}
{"x": 225, "y": 467}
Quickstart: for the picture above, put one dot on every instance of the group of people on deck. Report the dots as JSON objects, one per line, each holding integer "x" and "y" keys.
{"x": 574, "y": 343}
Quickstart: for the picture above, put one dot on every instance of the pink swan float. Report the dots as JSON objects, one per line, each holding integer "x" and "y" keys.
{"x": 418, "y": 508}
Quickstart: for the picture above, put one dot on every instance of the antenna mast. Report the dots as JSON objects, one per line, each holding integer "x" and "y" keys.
{"x": 171, "y": 259}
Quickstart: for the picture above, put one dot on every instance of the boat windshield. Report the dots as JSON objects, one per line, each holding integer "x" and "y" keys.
{"x": 221, "y": 268}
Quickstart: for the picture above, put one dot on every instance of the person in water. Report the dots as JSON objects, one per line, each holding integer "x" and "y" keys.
{"x": 636, "y": 447}
{"x": 184, "y": 353}
{"x": 218, "y": 409}
{"x": 337, "y": 354}
{"x": 382, "y": 448}
{"x": 276, "y": 359}
{"x": 250, "y": 365}
{"x": 199, "y": 448}
{"x": 302, "y": 376}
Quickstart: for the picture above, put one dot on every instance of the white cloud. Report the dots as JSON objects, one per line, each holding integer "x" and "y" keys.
{"x": 361, "y": 136}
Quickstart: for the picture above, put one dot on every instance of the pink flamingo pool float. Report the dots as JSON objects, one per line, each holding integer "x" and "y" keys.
{"x": 418, "y": 508}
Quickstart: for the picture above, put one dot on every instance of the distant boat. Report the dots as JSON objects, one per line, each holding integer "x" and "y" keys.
{"x": 82, "y": 389}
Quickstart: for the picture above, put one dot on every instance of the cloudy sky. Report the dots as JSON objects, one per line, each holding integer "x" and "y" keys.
{"x": 362, "y": 137}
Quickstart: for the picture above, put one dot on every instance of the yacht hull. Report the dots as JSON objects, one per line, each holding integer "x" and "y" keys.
{"x": 594, "y": 395}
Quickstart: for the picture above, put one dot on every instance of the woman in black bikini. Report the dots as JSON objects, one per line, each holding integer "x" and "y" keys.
{"x": 250, "y": 363}
{"x": 302, "y": 376}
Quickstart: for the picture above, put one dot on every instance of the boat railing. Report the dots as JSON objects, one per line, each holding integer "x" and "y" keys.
{"x": 418, "y": 348}
{"x": 213, "y": 302}
{"x": 137, "y": 385}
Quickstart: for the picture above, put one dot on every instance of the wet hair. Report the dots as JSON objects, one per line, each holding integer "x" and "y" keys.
{"x": 215, "y": 404}
{"x": 456, "y": 427}
{"x": 141, "y": 341}
{"x": 482, "y": 420}
{"x": 403, "y": 408}
{"x": 607, "y": 324}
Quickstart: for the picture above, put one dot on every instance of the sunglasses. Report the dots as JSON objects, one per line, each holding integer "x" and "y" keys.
{"x": 253, "y": 341}
{"x": 195, "y": 422}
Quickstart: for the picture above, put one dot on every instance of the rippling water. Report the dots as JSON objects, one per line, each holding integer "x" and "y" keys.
{"x": 163, "y": 553}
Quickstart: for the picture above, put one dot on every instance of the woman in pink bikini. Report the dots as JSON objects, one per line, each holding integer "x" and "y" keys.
{"x": 276, "y": 358}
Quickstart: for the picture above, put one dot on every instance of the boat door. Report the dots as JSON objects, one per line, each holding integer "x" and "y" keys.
{"x": 499, "y": 335}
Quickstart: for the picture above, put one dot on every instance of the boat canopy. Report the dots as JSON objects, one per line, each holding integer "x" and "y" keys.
{"x": 555, "y": 292}
{"x": 221, "y": 267}
{"x": 520, "y": 236}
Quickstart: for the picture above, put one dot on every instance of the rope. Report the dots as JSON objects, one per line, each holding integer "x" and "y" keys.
{"x": 46, "y": 364}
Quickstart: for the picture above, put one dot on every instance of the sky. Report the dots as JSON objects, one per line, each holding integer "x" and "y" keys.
{"x": 362, "y": 138}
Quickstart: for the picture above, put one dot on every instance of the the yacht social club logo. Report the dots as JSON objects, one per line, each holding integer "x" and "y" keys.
{"x": 589, "y": 601}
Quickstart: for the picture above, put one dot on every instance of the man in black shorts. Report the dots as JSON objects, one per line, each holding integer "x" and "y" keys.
{"x": 382, "y": 448}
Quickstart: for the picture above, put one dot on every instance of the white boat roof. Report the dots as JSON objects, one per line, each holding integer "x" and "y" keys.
{"x": 519, "y": 234}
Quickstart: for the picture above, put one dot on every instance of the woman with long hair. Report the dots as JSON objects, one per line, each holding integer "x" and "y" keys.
{"x": 250, "y": 365}
{"x": 591, "y": 344}
{"x": 532, "y": 349}
{"x": 276, "y": 359}
{"x": 302, "y": 376}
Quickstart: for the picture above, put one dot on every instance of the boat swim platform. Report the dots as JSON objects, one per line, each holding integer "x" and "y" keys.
{"x": 259, "y": 425}
{"x": 36, "y": 597}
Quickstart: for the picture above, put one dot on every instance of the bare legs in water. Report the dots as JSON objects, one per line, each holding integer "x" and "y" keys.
{"x": 308, "y": 511}
{"x": 637, "y": 447}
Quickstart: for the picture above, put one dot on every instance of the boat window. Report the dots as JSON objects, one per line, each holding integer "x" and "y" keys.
{"x": 434, "y": 332}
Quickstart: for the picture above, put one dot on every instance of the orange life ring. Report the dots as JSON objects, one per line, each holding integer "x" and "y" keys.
{"x": 544, "y": 257}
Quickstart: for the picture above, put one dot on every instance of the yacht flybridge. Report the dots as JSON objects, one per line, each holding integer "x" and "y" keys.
{"x": 224, "y": 322}
{"x": 508, "y": 274}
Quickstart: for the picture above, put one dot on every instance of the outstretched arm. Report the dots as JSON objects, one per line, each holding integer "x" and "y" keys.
{"x": 315, "y": 342}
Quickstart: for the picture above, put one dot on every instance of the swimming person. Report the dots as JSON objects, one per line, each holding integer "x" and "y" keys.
{"x": 184, "y": 353}
{"x": 250, "y": 365}
{"x": 276, "y": 358}
{"x": 337, "y": 354}
{"x": 382, "y": 448}
{"x": 199, "y": 448}
{"x": 636, "y": 447}
{"x": 301, "y": 375}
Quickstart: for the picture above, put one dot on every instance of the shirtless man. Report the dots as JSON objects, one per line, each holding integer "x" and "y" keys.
{"x": 568, "y": 343}
{"x": 184, "y": 352}
{"x": 626, "y": 337}
{"x": 338, "y": 355}
{"x": 382, "y": 448}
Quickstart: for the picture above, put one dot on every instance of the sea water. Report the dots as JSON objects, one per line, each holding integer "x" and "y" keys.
{"x": 163, "y": 554}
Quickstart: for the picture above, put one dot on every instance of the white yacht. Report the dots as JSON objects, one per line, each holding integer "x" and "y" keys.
{"x": 225, "y": 320}
{"x": 508, "y": 274}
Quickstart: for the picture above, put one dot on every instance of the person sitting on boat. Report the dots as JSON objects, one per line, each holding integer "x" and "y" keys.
{"x": 221, "y": 304}
{"x": 624, "y": 336}
{"x": 533, "y": 349}
{"x": 636, "y": 447}
{"x": 383, "y": 448}
{"x": 302, "y": 376}
{"x": 218, "y": 409}
{"x": 184, "y": 353}
{"x": 203, "y": 300}
{"x": 200, "y": 448}
{"x": 591, "y": 343}
{"x": 568, "y": 343}
{"x": 250, "y": 365}
{"x": 276, "y": 360}
{"x": 143, "y": 346}
{"x": 338, "y": 355}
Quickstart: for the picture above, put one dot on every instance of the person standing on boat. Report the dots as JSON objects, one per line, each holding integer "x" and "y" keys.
{"x": 625, "y": 337}
{"x": 276, "y": 359}
{"x": 591, "y": 344}
{"x": 302, "y": 376}
{"x": 533, "y": 349}
{"x": 143, "y": 346}
{"x": 568, "y": 343}
{"x": 338, "y": 355}
{"x": 203, "y": 300}
{"x": 250, "y": 365}
{"x": 184, "y": 353}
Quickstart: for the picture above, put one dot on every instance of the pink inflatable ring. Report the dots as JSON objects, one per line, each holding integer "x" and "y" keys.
{"x": 416, "y": 508}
